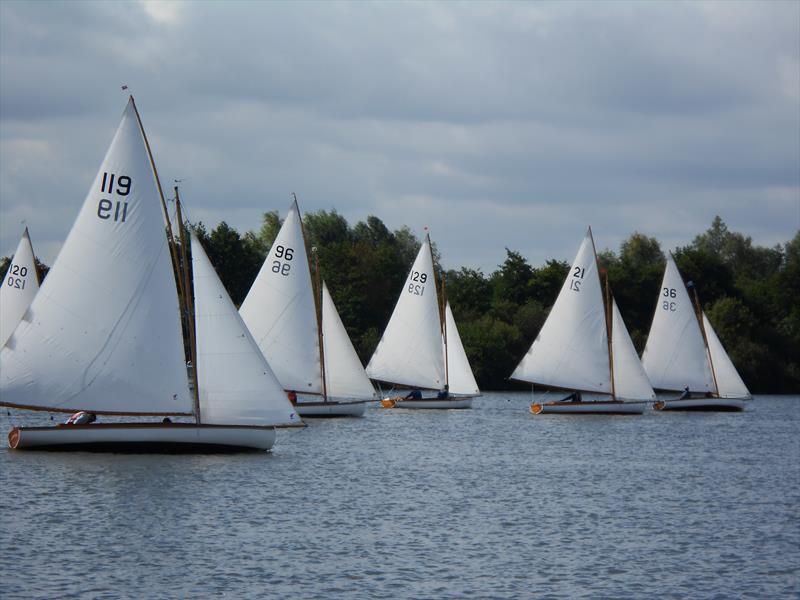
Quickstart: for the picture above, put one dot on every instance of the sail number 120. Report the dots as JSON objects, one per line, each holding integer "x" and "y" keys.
{"x": 114, "y": 184}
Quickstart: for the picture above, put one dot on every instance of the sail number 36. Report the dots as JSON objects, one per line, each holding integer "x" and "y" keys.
{"x": 16, "y": 277}
{"x": 416, "y": 283}
{"x": 117, "y": 209}
{"x": 282, "y": 254}
{"x": 667, "y": 304}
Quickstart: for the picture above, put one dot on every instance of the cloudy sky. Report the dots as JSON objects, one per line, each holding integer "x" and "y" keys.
{"x": 495, "y": 124}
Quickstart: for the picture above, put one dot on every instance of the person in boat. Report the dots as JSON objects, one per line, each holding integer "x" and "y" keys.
{"x": 413, "y": 395}
{"x": 292, "y": 397}
{"x": 81, "y": 418}
{"x": 573, "y": 397}
{"x": 444, "y": 394}
{"x": 686, "y": 394}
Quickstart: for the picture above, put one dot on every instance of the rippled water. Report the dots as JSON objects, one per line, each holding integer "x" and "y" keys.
{"x": 487, "y": 503}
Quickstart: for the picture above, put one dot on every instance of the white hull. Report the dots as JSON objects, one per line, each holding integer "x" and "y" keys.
{"x": 600, "y": 407}
{"x": 452, "y": 402}
{"x": 331, "y": 409}
{"x": 144, "y": 437}
{"x": 701, "y": 404}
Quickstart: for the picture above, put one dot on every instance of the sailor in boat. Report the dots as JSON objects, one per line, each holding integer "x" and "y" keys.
{"x": 81, "y": 418}
{"x": 573, "y": 397}
{"x": 444, "y": 394}
{"x": 292, "y": 395}
{"x": 413, "y": 395}
{"x": 686, "y": 393}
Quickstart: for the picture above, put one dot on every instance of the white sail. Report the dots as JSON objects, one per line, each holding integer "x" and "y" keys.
{"x": 237, "y": 386}
{"x": 461, "y": 381}
{"x": 410, "y": 351}
{"x": 729, "y": 383}
{"x": 344, "y": 374}
{"x": 675, "y": 355}
{"x": 103, "y": 333}
{"x": 279, "y": 310}
{"x": 630, "y": 379}
{"x": 19, "y": 288}
{"x": 571, "y": 350}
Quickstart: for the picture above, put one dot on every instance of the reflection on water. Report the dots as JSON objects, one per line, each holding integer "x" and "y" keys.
{"x": 491, "y": 502}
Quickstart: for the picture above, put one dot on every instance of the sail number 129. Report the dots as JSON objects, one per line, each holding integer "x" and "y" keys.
{"x": 416, "y": 283}
{"x": 116, "y": 210}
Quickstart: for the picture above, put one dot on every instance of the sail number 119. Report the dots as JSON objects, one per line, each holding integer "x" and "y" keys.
{"x": 116, "y": 210}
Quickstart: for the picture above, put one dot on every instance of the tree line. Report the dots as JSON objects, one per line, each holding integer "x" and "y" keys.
{"x": 750, "y": 293}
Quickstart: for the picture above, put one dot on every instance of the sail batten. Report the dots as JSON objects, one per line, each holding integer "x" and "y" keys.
{"x": 103, "y": 333}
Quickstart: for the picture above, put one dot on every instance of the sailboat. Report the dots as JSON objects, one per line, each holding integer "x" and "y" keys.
{"x": 19, "y": 288}
{"x": 417, "y": 352}
{"x": 104, "y": 333}
{"x": 683, "y": 353}
{"x": 301, "y": 334}
{"x": 584, "y": 346}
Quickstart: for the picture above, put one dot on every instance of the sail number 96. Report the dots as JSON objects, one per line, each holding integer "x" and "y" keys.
{"x": 17, "y": 282}
{"x": 116, "y": 210}
{"x": 416, "y": 283}
{"x": 666, "y": 304}
{"x": 282, "y": 265}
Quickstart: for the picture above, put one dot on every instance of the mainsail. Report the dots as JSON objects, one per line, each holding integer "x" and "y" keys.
{"x": 571, "y": 350}
{"x": 675, "y": 355}
{"x": 410, "y": 351}
{"x": 19, "y": 288}
{"x": 344, "y": 374}
{"x": 280, "y": 313}
{"x": 237, "y": 386}
{"x": 103, "y": 334}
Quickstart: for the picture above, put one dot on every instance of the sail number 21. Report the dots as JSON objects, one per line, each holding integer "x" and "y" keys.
{"x": 416, "y": 283}
{"x": 114, "y": 184}
{"x": 577, "y": 279}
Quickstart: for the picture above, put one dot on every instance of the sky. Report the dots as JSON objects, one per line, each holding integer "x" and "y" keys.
{"x": 497, "y": 125}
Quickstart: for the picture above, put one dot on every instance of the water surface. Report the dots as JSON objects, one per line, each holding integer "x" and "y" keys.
{"x": 486, "y": 503}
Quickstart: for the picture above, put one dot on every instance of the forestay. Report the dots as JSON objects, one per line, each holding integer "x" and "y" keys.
{"x": 280, "y": 313}
{"x": 729, "y": 383}
{"x": 459, "y": 374}
{"x": 103, "y": 334}
{"x": 19, "y": 288}
{"x": 675, "y": 355}
{"x": 571, "y": 350}
{"x": 630, "y": 379}
{"x": 236, "y": 385}
{"x": 410, "y": 351}
{"x": 344, "y": 374}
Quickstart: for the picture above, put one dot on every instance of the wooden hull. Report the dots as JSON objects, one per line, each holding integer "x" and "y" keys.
{"x": 440, "y": 403}
{"x": 600, "y": 407}
{"x": 143, "y": 437}
{"x": 331, "y": 409}
{"x": 702, "y": 404}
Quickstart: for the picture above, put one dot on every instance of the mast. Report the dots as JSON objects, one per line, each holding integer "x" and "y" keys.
{"x": 607, "y": 314}
{"x": 316, "y": 289}
{"x": 170, "y": 237}
{"x": 189, "y": 301}
{"x": 699, "y": 314}
{"x": 443, "y": 314}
